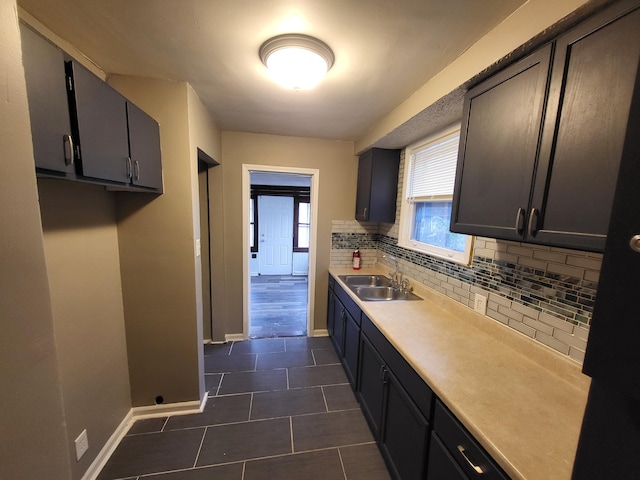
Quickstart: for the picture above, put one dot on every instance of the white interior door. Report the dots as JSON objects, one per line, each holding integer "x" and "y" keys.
{"x": 275, "y": 235}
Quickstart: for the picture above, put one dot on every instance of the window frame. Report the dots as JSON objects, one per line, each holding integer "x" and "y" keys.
{"x": 407, "y": 207}
{"x": 297, "y": 200}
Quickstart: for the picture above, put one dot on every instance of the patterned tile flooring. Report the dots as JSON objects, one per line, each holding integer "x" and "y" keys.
{"x": 278, "y": 306}
{"x": 278, "y": 408}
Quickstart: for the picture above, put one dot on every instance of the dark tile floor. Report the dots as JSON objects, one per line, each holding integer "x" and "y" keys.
{"x": 278, "y": 306}
{"x": 278, "y": 408}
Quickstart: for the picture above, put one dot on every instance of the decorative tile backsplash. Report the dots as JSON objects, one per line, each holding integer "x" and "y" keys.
{"x": 546, "y": 293}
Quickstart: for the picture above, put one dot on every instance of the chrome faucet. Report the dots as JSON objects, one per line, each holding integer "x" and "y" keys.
{"x": 396, "y": 276}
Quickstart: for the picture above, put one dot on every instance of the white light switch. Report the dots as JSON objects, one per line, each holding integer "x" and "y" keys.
{"x": 82, "y": 444}
{"x": 198, "y": 247}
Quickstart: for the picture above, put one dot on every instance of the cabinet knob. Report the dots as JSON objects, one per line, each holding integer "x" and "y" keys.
{"x": 634, "y": 243}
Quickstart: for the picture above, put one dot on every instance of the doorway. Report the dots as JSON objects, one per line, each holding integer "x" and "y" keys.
{"x": 279, "y": 211}
{"x": 205, "y": 163}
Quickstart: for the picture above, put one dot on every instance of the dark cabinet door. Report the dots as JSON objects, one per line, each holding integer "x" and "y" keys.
{"x": 592, "y": 83}
{"x": 371, "y": 378}
{"x": 405, "y": 433}
{"x": 377, "y": 188}
{"x": 441, "y": 464}
{"x": 501, "y": 123}
{"x": 331, "y": 305}
{"x": 351, "y": 348}
{"x": 339, "y": 319}
{"x": 144, "y": 147}
{"x": 48, "y": 107}
{"x": 100, "y": 126}
{"x": 363, "y": 194}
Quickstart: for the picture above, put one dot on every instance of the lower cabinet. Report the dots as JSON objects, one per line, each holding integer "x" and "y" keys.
{"x": 405, "y": 432}
{"x": 387, "y": 389}
{"x": 343, "y": 324}
{"x": 418, "y": 436}
{"x": 462, "y": 454}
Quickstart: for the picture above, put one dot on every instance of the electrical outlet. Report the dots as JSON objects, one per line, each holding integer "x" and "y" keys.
{"x": 480, "y": 304}
{"x": 82, "y": 444}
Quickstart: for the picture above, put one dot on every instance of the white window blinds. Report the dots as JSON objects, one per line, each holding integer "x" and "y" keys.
{"x": 432, "y": 171}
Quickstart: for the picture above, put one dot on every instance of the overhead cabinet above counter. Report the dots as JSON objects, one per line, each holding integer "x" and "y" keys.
{"x": 541, "y": 141}
{"x": 82, "y": 128}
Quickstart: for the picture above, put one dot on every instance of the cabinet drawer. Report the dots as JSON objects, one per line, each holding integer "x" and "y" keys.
{"x": 348, "y": 302}
{"x": 417, "y": 389}
{"x": 466, "y": 451}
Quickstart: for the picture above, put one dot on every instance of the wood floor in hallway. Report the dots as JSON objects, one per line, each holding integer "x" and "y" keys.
{"x": 278, "y": 306}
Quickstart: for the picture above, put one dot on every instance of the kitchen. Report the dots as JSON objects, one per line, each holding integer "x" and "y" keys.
{"x": 160, "y": 350}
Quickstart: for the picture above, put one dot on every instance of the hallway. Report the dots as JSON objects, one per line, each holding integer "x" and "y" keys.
{"x": 279, "y": 408}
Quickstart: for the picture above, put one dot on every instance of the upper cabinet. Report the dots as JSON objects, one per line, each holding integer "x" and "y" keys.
{"x": 82, "y": 128}
{"x": 48, "y": 108}
{"x": 377, "y": 185}
{"x": 100, "y": 126}
{"x": 540, "y": 147}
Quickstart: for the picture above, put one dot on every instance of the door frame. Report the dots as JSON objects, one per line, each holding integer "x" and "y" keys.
{"x": 314, "y": 173}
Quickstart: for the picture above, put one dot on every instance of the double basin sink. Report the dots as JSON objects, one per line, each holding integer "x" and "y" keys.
{"x": 376, "y": 288}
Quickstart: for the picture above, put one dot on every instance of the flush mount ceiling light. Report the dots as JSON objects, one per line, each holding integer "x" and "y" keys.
{"x": 296, "y": 61}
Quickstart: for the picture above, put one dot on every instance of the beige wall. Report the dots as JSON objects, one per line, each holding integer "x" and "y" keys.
{"x": 203, "y": 134}
{"x": 81, "y": 251}
{"x": 156, "y": 235}
{"x": 33, "y": 443}
{"x": 533, "y": 17}
{"x": 336, "y": 201}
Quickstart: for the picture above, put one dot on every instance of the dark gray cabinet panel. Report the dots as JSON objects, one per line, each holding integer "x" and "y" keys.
{"x": 48, "y": 107}
{"x": 552, "y": 181}
{"x": 351, "y": 348}
{"x": 463, "y": 448}
{"x": 100, "y": 127}
{"x": 441, "y": 464}
{"x": 498, "y": 147}
{"x": 371, "y": 384}
{"x": 405, "y": 433}
{"x": 144, "y": 147}
{"x": 377, "y": 185}
{"x": 592, "y": 83}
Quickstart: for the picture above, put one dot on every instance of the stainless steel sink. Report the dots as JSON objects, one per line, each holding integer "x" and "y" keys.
{"x": 366, "y": 280}
{"x": 383, "y": 294}
{"x": 376, "y": 288}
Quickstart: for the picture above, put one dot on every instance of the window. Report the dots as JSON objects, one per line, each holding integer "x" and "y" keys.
{"x": 425, "y": 213}
{"x": 253, "y": 223}
{"x": 301, "y": 224}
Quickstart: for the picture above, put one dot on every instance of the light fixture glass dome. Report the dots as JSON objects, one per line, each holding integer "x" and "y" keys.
{"x": 296, "y": 61}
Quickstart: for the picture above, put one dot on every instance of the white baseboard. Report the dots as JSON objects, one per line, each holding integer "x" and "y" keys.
{"x": 114, "y": 440}
{"x": 234, "y": 337}
{"x": 163, "y": 410}
{"x": 322, "y": 332}
{"x": 137, "y": 413}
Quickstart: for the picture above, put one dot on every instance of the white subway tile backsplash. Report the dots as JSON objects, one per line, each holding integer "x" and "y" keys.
{"x": 566, "y": 270}
{"x": 552, "y": 342}
{"x": 590, "y": 263}
{"x": 570, "y": 339}
{"x": 522, "y": 328}
{"x": 550, "y": 256}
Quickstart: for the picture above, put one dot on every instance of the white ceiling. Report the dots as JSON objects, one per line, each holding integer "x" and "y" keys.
{"x": 385, "y": 50}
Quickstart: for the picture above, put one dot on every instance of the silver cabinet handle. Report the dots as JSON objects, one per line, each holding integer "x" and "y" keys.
{"x": 634, "y": 243}
{"x": 534, "y": 213}
{"x": 136, "y": 169}
{"x": 128, "y": 166}
{"x": 68, "y": 149}
{"x": 365, "y": 212}
{"x": 477, "y": 468}
{"x": 519, "y": 220}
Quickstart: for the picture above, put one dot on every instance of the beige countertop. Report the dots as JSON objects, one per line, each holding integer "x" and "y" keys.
{"x": 522, "y": 401}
